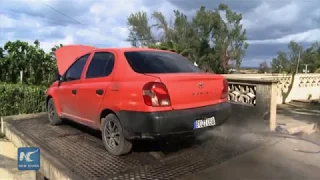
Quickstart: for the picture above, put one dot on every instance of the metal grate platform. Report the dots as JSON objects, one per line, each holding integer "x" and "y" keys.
{"x": 81, "y": 150}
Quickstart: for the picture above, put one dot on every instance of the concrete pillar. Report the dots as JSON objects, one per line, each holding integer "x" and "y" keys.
{"x": 273, "y": 107}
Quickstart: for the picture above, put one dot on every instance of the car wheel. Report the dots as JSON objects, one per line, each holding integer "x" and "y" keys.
{"x": 112, "y": 136}
{"x": 52, "y": 113}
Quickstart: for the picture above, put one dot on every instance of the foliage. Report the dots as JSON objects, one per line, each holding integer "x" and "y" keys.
{"x": 207, "y": 38}
{"x": 288, "y": 62}
{"x": 140, "y": 33}
{"x": 263, "y": 67}
{"x": 38, "y": 67}
{"x": 311, "y": 56}
{"x": 171, "y": 46}
{"x": 21, "y": 99}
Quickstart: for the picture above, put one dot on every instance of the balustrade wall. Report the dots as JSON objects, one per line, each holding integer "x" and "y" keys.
{"x": 304, "y": 86}
{"x": 253, "y": 98}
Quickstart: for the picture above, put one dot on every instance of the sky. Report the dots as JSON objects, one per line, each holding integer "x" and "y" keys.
{"x": 270, "y": 24}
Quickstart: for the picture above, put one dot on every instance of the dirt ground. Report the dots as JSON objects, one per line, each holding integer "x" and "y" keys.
{"x": 275, "y": 160}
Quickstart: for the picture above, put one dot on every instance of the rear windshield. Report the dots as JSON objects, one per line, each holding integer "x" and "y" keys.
{"x": 159, "y": 62}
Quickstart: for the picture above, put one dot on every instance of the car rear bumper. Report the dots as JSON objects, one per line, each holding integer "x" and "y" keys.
{"x": 153, "y": 124}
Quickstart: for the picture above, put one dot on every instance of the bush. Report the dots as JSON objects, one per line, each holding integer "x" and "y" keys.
{"x": 21, "y": 99}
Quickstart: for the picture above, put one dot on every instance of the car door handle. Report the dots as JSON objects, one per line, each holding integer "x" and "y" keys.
{"x": 99, "y": 91}
{"x": 74, "y": 91}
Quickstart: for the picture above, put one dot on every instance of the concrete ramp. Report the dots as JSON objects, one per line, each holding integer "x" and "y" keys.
{"x": 8, "y": 163}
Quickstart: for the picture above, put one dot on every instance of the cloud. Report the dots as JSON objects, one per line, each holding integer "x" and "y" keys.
{"x": 270, "y": 24}
{"x": 309, "y": 36}
{"x": 47, "y": 45}
{"x": 7, "y": 22}
{"x": 264, "y": 16}
{"x": 189, "y": 5}
{"x": 272, "y": 20}
{"x": 99, "y": 23}
{"x": 256, "y": 61}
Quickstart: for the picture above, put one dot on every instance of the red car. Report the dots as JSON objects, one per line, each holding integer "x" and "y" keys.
{"x": 135, "y": 93}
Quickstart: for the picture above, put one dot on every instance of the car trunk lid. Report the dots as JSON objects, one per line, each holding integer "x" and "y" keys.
{"x": 189, "y": 90}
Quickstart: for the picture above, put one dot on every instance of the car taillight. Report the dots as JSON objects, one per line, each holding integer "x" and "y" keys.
{"x": 156, "y": 94}
{"x": 225, "y": 89}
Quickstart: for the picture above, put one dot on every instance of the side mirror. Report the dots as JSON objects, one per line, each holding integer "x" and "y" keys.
{"x": 58, "y": 77}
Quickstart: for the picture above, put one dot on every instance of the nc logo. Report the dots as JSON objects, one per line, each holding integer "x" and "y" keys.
{"x": 27, "y": 155}
{"x": 28, "y": 158}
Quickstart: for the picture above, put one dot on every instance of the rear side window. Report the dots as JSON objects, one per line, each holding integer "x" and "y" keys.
{"x": 101, "y": 65}
{"x": 159, "y": 62}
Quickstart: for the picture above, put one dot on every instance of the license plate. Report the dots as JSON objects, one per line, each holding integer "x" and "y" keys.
{"x": 201, "y": 123}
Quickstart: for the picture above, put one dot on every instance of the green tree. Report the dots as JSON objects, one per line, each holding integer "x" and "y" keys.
{"x": 311, "y": 56}
{"x": 173, "y": 36}
{"x": 280, "y": 63}
{"x": 207, "y": 39}
{"x": 139, "y": 30}
{"x": 263, "y": 67}
{"x": 230, "y": 38}
{"x": 53, "y": 50}
{"x": 171, "y": 46}
{"x": 288, "y": 62}
{"x": 203, "y": 26}
{"x": 37, "y": 66}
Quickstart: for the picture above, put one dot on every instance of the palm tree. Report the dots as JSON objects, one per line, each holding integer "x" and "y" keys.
{"x": 53, "y": 50}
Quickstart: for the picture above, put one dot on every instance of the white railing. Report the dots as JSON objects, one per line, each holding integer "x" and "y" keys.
{"x": 304, "y": 86}
{"x": 254, "y": 97}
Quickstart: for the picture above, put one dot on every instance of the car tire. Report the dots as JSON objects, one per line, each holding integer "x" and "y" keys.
{"x": 52, "y": 113}
{"x": 113, "y": 137}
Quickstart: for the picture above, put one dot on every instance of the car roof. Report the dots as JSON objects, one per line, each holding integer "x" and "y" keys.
{"x": 67, "y": 55}
{"x": 130, "y": 49}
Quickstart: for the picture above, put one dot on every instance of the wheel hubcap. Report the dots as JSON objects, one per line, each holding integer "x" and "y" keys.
{"x": 51, "y": 111}
{"x": 112, "y": 134}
